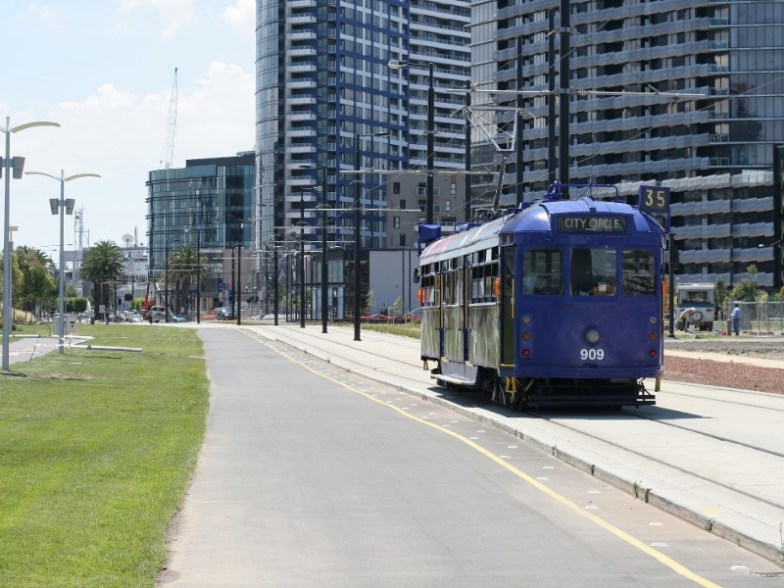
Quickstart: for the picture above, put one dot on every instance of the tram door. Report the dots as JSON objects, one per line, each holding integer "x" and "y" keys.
{"x": 508, "y": 306}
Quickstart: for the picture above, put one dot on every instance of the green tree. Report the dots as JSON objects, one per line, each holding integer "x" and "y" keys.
{"x": 103, "y": 266}
{"x": 185, "y": 268}
{"x": 722, "y": 294}
{"x": 397, "y": 306}
{"x": 780, "y": 295}
{"x": 745, "y": 291}
{"x": 17, "y": 279}
{"x": 38, "y": 290}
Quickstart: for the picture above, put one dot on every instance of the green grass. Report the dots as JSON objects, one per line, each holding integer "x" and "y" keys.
{"x": 96, "y": 450}
{"x": 406, "y": 330}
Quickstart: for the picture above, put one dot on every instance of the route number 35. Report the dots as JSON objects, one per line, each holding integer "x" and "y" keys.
{"x": 591, "y": 354}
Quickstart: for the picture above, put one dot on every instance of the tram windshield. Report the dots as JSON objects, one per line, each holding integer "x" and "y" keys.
{"x": 542, "y": 272}
{"x": 639, "y": 272}
{"x": 593, "y": 272}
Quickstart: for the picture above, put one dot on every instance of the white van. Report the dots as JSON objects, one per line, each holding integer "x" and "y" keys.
{"x": 695, "y": 305}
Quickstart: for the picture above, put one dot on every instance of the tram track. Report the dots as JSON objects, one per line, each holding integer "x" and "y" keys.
{"x": 383, "y": 365}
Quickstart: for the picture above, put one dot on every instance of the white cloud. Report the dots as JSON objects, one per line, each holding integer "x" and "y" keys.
{"x": 242, "y": 16}
{"x": 45, "y": 13}
{"x": 174, "y": 14}
{"x": 121, "y": 135}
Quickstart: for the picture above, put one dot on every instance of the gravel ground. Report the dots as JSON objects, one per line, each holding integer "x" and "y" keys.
{"x": 731, "y": 373}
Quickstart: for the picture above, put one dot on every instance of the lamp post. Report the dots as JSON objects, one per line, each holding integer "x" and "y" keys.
{"x": 357, "y": 232}
{"x": 396, "y": 65}
{"x": 357, "y": 220}
{"x": 238, "y": 287}
{"x": 302, "y": 259}
{"x": 64, "y": 207}
{"x": 324, "y": 258}
{"x": 198, "y": 272}
{"x": 198, "y": 276}
{"x": 17, "y": 165}
{"x": 276, "y": 294}
{"x": 166, "y": 281}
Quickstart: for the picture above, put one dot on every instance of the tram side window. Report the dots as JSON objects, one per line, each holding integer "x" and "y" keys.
{"x": 593, "y": 272}
{"x": 482, "y": 277}
{"x": 427, "y": 287}
{"x": 542, "y": 272}
{"x": 639, "y": 275}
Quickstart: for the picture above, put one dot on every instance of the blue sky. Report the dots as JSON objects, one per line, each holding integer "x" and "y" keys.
{"x": 103, "y": 69}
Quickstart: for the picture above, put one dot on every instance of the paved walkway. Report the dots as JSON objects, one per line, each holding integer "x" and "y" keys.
{"x": 721, "y": 486}
{"x": 26, "y": 348}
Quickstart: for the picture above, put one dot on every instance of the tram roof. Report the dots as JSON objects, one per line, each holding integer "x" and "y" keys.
{"x": 539, "y": 218}
{"x": 536, "y": 218}
{"x": 470, "y": 240}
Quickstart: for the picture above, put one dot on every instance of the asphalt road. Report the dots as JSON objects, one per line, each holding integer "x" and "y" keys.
{"x": 310, "y": 476}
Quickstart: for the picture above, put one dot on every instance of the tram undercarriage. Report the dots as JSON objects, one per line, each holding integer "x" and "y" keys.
{"x": 524, "y": 393}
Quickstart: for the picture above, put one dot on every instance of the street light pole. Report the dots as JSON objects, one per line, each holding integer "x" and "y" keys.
{"x": 238, "y": 289}
{"x": 431, "y": 129}
{"x": 430, "y": 132}
{"x": 276, "y": 293}
{"x": 16, "y": 165}
{"x": 357, "y": 220}
{"x": 302, "y": 259}
{"x": 324, "y": 259}
{"x": 198, "y": 276}
{"x": 166, "y": 281}
{"x": 63, "y": 206}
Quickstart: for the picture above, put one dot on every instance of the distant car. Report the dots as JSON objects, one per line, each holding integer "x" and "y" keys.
{"x": 158, "y": 314}
{"x": 224, "y": 313}
{"x": 176, "y": 318}
{"x": 376, "y": 318}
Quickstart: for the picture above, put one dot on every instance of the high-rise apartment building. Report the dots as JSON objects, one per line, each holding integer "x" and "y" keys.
{"x": 334, "y": 120}
{"x": 633, "y": 67}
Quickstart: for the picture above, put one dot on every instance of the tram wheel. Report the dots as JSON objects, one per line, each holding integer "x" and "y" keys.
{"x": 499, "y": 395}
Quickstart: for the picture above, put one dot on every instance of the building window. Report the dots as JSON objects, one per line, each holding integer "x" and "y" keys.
{"x": 396, "y": 187}
{"x": 395, "y": 222}
{"x": 402, "y": 204}
{"x": 402, "y": 240}
{"x": 453, "y": 189}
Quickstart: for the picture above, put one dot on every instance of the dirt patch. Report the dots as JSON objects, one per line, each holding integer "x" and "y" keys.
{"x": 731, "y": 373}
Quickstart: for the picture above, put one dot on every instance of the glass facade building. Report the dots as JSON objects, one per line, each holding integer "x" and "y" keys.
{"x": 684, "y": 94}
{"x": 334, "y": 121}
{"x": 208, "y": 203}
{"x": 328, "y": 103}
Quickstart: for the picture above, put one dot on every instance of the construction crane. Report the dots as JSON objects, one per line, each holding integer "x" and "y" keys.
{"x": 171, "y": 124}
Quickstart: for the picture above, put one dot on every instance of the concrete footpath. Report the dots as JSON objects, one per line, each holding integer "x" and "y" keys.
{"x": 26, "y": 348}
{"x": 711, "y": 480}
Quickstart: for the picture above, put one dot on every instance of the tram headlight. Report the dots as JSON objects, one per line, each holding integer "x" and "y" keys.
{"x": 592, "y": 336}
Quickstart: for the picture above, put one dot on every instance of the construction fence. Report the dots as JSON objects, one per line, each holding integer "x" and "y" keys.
{"x": 756, "y": 318}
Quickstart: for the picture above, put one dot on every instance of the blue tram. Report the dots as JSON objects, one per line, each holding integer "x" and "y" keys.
{"x": 557, "y": 303}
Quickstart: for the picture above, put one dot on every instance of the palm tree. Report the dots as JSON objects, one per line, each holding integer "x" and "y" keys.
{"x": 103, "y": 266}
{"x": 185, "y": 267}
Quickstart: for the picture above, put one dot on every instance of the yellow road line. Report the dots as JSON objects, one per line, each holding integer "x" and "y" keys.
{"x": 607, "y": 526}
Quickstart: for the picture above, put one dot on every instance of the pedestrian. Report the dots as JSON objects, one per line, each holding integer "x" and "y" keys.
{"x": 735, "y": 318}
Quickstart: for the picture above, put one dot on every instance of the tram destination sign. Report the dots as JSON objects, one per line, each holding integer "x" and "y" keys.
{"x": 591, "y": 224}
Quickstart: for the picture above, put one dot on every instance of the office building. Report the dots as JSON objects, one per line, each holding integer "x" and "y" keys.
{"x": 208, "y": 204}
{"x": 681, "y": 94}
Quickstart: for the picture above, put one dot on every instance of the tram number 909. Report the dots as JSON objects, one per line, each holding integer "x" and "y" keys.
{"x": 591, "y": 354}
